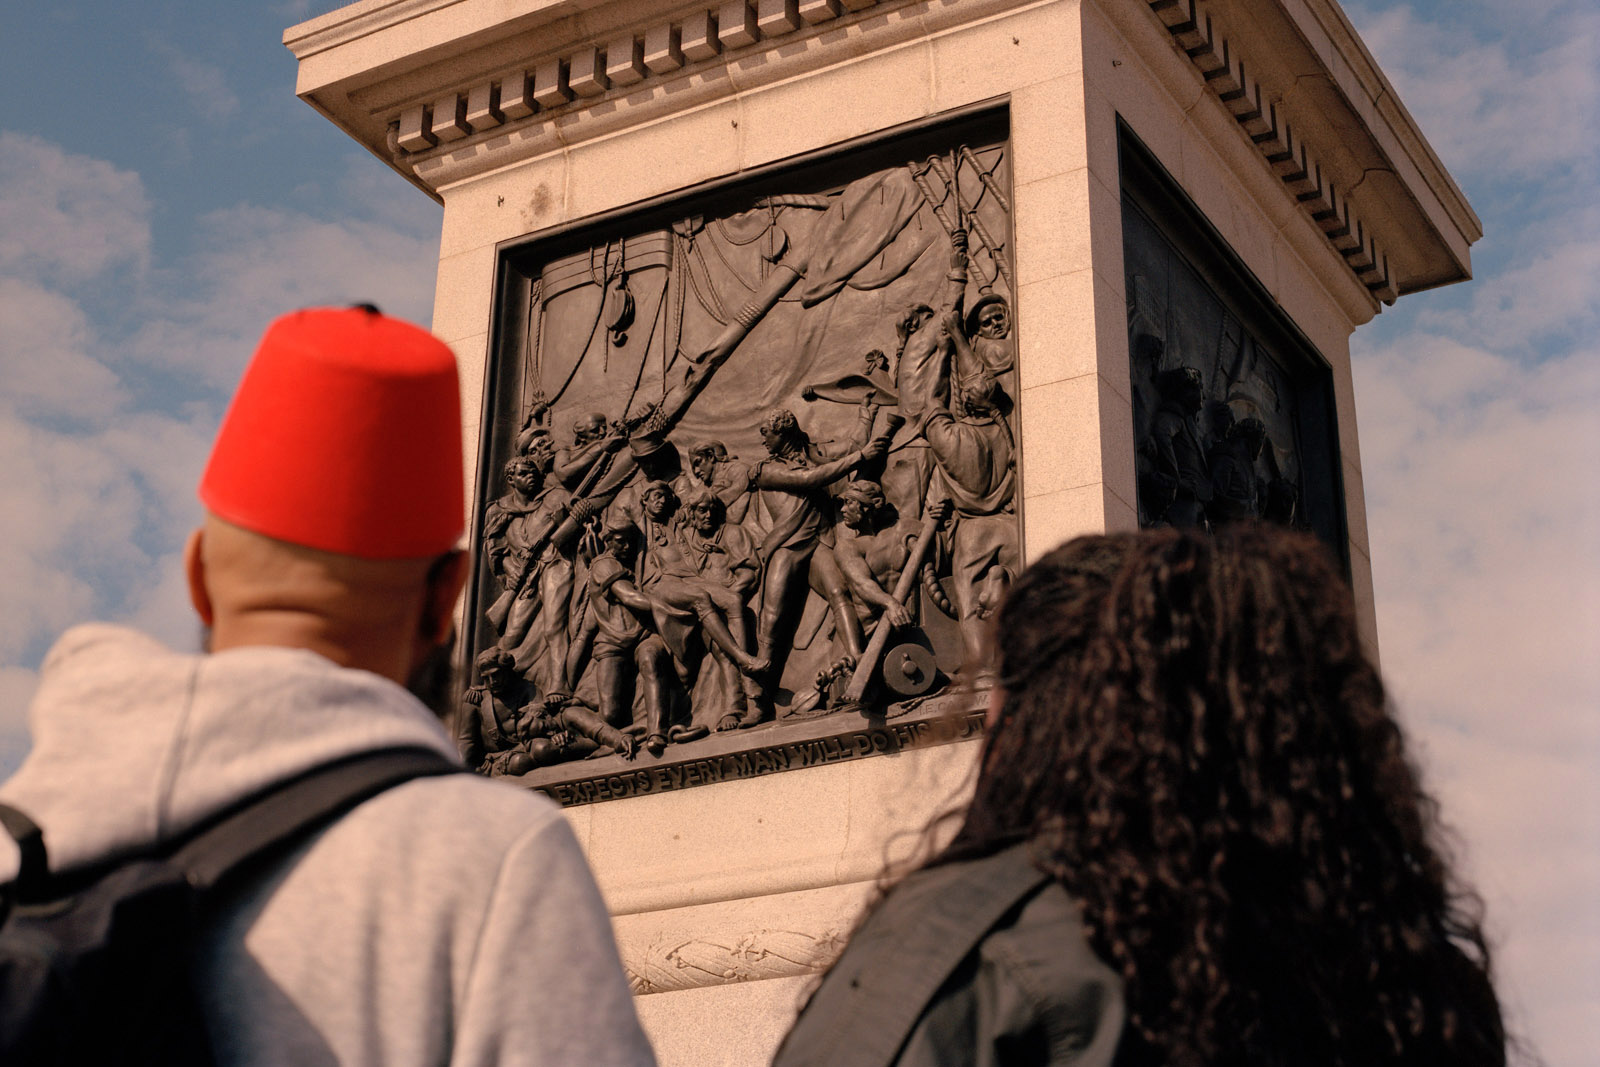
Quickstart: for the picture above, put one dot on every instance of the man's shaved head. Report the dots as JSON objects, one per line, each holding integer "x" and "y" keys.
{"x": 382, "y": 615}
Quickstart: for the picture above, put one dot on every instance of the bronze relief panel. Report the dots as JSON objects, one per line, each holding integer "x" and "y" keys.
{"x": 749, "y": 471}
{"x": 1233, "y": 412}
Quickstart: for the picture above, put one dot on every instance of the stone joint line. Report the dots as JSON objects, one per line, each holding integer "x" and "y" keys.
{"x": 579, "y": 77}
{"x": 1226, "y": 75}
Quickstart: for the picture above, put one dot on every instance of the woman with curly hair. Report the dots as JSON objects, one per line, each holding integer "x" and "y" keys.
{"x": 1196, "y": 840}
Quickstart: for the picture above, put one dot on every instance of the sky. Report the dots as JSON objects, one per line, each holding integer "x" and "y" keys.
{"x": 164, "y": 195}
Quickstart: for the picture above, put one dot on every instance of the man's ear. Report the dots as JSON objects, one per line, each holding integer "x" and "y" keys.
{"x": 446, "y": 578}
{"x": 194, "y": 570}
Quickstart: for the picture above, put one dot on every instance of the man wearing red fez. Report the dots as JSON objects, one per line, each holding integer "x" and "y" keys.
{"x": 448, "y": 920}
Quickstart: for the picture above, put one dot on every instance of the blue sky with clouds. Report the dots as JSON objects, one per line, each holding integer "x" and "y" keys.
{"x": 163, "y": 195}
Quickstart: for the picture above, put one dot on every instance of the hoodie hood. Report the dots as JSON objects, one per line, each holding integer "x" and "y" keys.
{"x": 134, "y": 744}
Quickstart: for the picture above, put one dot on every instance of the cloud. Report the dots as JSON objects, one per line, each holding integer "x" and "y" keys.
{"x": 1547, "y": 296}
{"x": 1486, "y": 536}
{"x": 47, "y": 369}
{"x": 1480, "y": 423}
{"x": 1530, "y": 826}
{"x": 65, "y": 218}
{"x": 164, "y": 611}
{"x": 256, "y": 263}
{"x": 1485, "y": 531}
{"x": 87, "y": 524}
{"x": 79, "y": 511}
{"x": 302, "y": 10}
{"x": 203, "y": 83}
{"x": 1504, "y": 107}
{"x": 105, "y": 427}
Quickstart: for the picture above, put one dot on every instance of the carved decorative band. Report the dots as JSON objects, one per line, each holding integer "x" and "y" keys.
{"x": 578, "y": 78}
{"x": 1226, "y": 75}
{"x": 668, "y": 964}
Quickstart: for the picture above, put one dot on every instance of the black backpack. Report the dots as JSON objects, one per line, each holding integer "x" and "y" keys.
{"x": 94, "y": 967}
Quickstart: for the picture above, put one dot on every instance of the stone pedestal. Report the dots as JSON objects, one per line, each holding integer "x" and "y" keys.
{"x": 1171, "y": 169}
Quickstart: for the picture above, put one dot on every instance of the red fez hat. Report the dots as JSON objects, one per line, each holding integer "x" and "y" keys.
{"x": 344, "y": 435}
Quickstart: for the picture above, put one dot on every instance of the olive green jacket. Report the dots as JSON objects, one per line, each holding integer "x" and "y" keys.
{"x": 982, "y": 963}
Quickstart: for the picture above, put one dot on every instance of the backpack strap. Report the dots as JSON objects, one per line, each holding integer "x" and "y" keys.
{"x": 291, "y": 809}
{"x": 898, "y": 959}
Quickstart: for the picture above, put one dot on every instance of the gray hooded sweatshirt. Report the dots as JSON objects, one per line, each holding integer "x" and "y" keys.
{"x": 447, "y": 921}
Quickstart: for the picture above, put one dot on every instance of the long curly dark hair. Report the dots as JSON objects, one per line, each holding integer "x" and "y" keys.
{"x": 1200, "y": 753}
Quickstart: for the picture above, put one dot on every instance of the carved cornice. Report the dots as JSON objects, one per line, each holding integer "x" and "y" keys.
{"x": 1408, "y": 137}
{"x": 1229, "y": 78}
{"x": 447, "y": 90}
{"x": 581, "y": 77}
